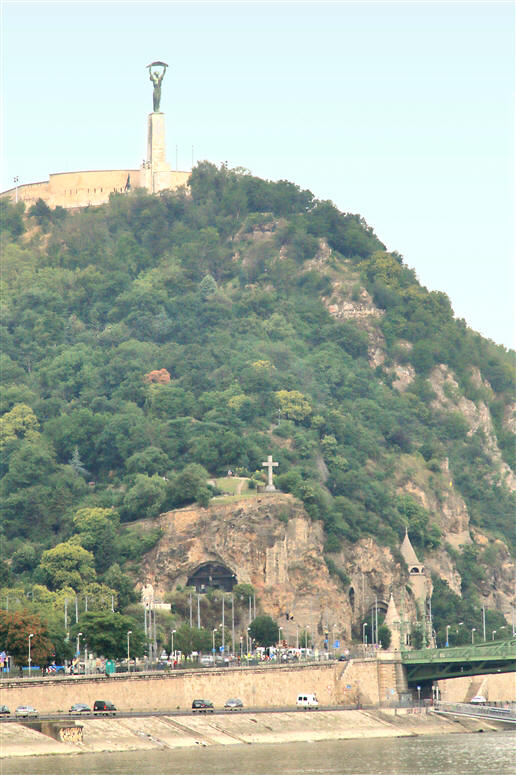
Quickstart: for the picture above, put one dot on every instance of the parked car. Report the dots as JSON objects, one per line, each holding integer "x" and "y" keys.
{"x": 4, "y": 710}
{"x": 203, "y": 706}
{"x": 80, "y": 707}
{"x": 478, "y": 699}
{"x": 307, "y": 701}
{"x": 24, "y": 711}
{"x": 233, "y": 704}
{"x": 106, "y": 708}
{"x": 344, "y": 658}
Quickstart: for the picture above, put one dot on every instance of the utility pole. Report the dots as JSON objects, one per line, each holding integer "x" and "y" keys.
{"x": 232, "y": 623}
{"x": 198, "y": 612}
{"x": 484, "y": 620}
{"x": 76, "y": 610}
{"x": 190, "y": 610}
{"x": 376, "y": 617}
{"x": 223, "y": 627}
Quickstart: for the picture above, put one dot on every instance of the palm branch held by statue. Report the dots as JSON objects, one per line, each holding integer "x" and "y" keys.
{"x": 156, "y": 79}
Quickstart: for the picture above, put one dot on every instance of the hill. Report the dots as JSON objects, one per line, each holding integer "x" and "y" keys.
{"x": 154, "y": 343}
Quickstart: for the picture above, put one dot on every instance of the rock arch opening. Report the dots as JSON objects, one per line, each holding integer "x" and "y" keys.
{"x": 212, "y": 575}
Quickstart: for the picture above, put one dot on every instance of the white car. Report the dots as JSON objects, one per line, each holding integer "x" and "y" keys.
{"x": 307, "y": 701}
{"x": 24, "y": 711}
{"x": 478, "y": 699}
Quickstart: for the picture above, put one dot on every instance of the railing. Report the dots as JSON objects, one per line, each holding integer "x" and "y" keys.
{"x": 480, "y": 711}
{"x": 505, "y": 649}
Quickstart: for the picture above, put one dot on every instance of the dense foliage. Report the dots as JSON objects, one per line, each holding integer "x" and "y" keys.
{"x": 158, "y": 341}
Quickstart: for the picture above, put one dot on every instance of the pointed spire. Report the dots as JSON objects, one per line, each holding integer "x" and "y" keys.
{"x": 407, "y": 551}
{"x": 392, "y": 613}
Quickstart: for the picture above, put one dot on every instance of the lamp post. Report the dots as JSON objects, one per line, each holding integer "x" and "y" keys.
{"x": 30, "y": 661}
{"x": 459, "y": 625}
{"x": 280, "y": 630}
{"x": 129, "y": 632}
{"x": 473, "y": 631}
{"x": 241, "y": 643}
{"x": 447, "y": 631}
{"x": 172, "y": 653}
{"x": 493, "y": 633}
{"x": 78, "y": 647}
{"x": 364, "y": 636}
{"x": 306, "y": 640}
{"x": 213, "y": 642}
{"x": 297, "y": 637}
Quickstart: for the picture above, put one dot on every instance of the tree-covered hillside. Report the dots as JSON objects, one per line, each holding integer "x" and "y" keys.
{"x": 156, "y": 342}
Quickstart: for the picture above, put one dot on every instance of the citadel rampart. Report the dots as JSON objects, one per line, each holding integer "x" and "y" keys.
{"x": 88, "y": 188}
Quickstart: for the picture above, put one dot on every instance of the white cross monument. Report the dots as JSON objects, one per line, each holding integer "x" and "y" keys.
{"x": 269, "y": 465}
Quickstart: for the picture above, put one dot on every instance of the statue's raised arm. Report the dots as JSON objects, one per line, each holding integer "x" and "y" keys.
{"x": 156, "y": 77}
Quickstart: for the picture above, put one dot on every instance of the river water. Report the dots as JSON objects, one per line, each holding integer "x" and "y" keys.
{"x": 462, "y": 754}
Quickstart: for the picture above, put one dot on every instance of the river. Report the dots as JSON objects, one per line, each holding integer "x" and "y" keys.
{"x": 462, "y": 754}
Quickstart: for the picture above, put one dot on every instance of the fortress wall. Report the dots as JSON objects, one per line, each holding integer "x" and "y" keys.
{"x": 89, "y": 187}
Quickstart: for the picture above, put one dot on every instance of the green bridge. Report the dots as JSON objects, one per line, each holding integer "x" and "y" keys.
{"x": 436, "y": 664}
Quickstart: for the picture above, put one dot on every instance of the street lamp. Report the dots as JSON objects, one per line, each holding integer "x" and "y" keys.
{"x": 129, "y": 632}
{"x": 447, "y": 631}
{"x": 78, "y": 648}
{"x": 280, "y": 630}
{"x": 364, "y": 636}
{"x": 493, "y": 633}
{"x": 30, "y": 661}
{"x": 473, "y": 631}
{"x": 306, "y": 640}
{"x": 213, "y": 641}
{"x": 172, "y": 652}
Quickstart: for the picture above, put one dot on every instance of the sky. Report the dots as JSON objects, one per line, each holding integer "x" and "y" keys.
{"x": 400, "y": 111}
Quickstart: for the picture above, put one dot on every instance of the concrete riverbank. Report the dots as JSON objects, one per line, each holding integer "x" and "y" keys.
{"x": 172, "y": 732}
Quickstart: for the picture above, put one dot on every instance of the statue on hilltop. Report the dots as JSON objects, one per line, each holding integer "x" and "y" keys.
{"x": 156, "y": 77}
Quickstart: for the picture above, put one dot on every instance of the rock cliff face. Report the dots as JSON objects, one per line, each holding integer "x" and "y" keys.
{"x": 270, "y": 542}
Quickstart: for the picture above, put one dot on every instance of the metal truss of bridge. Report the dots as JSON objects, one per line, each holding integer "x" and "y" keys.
{"x": 436, "y": 664}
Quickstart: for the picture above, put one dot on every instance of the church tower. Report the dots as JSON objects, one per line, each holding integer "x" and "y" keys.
{"x": 417, "y": 576}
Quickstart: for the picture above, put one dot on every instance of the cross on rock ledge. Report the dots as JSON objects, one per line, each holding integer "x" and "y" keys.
{"x": 269, "y": 466}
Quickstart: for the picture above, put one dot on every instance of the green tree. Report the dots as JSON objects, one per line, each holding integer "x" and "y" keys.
{"x": 384, "y": 636}
{"x": 293, "y": 404}
{"x": 264, "y": 630}
{"x": 105, "y": 633}
{"x": 145, "y": 498}
{"x": 96, "y": 532}
{"x": 67, "y": 565}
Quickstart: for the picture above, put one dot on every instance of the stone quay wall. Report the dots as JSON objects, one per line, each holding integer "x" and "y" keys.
{"x": 343, "y": 683}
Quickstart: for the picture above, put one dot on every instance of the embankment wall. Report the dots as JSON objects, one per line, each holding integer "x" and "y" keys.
{"x": 334, "y": 684}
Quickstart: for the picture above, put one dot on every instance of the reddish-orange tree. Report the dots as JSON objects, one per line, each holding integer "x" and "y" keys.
{"x": 15, "y": 629}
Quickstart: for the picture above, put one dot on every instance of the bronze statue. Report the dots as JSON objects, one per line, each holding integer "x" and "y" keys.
{"x": 156, "y": 79}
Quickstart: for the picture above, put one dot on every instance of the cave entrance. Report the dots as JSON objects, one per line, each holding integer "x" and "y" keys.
{"x": 212, "y": 575}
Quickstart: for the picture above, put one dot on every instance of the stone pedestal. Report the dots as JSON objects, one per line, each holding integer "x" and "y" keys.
{"x": 156, "y": 172}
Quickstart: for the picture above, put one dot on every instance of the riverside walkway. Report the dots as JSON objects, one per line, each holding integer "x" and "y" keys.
{"x": 425, "y": 665}
{"x": 505, "y": 715}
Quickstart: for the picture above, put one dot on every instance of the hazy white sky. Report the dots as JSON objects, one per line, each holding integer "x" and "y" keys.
{"x": 400, "y": 111}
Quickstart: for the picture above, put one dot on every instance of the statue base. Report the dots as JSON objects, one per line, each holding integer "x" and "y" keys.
{"x": 270, "y": 488}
